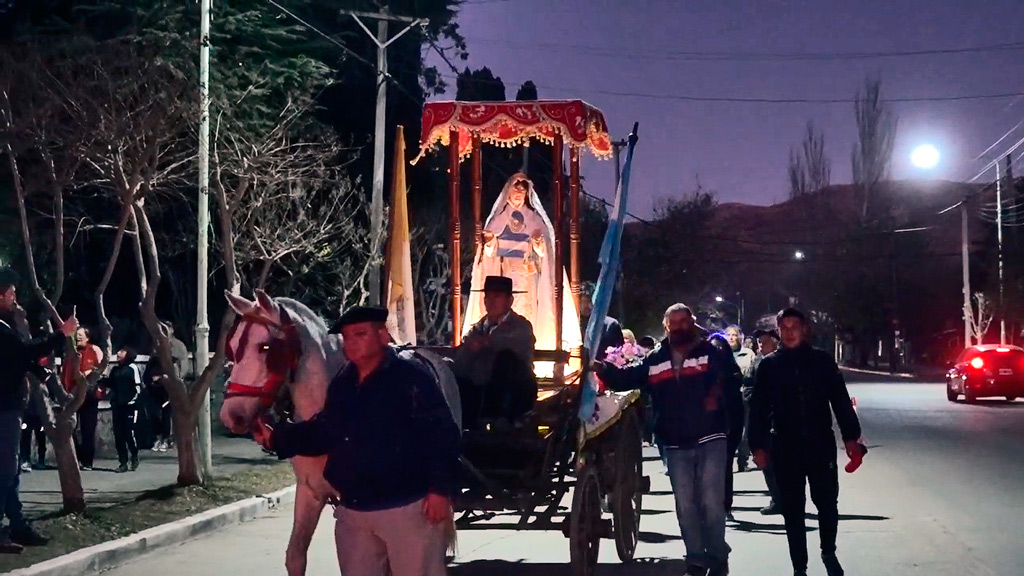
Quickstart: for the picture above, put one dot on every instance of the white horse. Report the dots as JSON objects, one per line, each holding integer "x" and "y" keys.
{"x": 280, "y": 349}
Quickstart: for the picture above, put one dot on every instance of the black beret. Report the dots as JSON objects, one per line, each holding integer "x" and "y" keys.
{"x": 358, "y": 315}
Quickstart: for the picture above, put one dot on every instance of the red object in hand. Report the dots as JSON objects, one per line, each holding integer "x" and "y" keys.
{"x": 856, "y": 451}
{"x": 262, "y": 433}
{"x": 761, "y": 459}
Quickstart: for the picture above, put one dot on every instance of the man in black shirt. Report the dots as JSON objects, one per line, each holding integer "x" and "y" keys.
{"x": 798, "y": 389}
{"x": 17, "y": 357}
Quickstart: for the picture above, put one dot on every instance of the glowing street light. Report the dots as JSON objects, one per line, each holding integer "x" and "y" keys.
{"x": 719, "y": 299}
{"x": 925, "y": 156}
{"x": 799, "y": 255}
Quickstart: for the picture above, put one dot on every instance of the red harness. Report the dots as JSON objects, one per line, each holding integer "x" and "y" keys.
{"x": 282, "y": 352}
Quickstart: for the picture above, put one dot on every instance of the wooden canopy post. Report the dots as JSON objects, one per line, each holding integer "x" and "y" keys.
{"x": 455, "y": 235}
{"x": 574, "y": 224}
{"x": 558, "y": 200}
{"x": 477, "y": 176}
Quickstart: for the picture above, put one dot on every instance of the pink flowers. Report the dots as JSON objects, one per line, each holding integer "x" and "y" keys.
{"x": 625, "y": 356}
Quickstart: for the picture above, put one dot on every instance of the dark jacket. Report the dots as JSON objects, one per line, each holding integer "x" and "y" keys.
{"x": 514, "y": 333}
{"x": 17, "y": 357}
{"x": 125, "y": 384}
{"x": 388, "y": 441}
{"x": 796, "y": 392}
{"x": 732, "y": 383}
{"x": 679, "y": 397}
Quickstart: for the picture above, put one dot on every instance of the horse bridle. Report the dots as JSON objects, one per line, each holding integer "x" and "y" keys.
{"x": 283, "y": 355}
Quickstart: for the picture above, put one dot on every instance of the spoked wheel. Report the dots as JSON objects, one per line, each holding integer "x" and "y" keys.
{"x": 627, "y": 496}
{"x": 585, "y": 524}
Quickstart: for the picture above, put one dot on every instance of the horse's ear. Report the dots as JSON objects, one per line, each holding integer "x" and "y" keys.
{"x": 268, "y": 307}
{"x": 240, "y": 305}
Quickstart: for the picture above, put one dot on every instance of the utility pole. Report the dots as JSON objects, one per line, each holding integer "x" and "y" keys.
{"x": 616, "y": 146}
{"x": 1014, "y": 239}
{"x": 999, "y": 237}
{"x": 965, "y": 256}
{"x": 202, "y": 354}
{"x": 377, "y": 199}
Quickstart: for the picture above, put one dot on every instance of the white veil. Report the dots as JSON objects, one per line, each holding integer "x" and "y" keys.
{"x": 544, "y": 323}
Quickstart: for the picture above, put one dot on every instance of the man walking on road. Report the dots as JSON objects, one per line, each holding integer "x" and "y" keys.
{"x": 767, "y": 341}
{"x": 797, "y": 391}
{"x": 392, "y": 451}
{"x": 685, "y": 378}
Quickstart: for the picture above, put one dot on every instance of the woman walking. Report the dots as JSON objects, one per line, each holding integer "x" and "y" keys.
{"x": 125, "y": 385}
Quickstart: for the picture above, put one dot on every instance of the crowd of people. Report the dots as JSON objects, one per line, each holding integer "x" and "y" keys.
{"x": 720, "y": 399}
{"x": 139, "y": 406}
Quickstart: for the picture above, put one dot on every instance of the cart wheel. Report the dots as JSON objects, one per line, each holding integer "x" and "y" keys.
{"x": 585, "y": 522}
{"x": 627, "y": 496}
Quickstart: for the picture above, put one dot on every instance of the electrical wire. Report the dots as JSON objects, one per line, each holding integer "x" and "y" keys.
{"x": 740, "y": 56}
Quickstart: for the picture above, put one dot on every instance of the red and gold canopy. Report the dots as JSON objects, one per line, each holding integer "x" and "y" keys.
{"x": 513, "y": 123}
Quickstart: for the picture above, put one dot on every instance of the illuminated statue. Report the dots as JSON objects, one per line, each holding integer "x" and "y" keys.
{"x": 518, "y": 242}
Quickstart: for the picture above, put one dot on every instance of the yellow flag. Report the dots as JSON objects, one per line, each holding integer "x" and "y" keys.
{"x": 398, "y": 267}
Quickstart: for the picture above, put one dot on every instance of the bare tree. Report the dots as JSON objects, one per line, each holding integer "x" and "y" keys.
{"x": 876, "y": 134}
{"x": 40, "y": 129}
{"x": 982, "y": 313}
{"x": 810, "y": 169}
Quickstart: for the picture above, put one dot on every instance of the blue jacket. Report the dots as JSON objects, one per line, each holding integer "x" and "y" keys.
{"x": 681, "y": 398}
{"x": 388, "y": 441}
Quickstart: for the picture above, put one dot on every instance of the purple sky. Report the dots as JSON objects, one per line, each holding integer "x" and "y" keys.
{"x": 587, "y": 48}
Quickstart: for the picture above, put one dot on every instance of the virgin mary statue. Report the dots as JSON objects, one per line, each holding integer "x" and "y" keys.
{"x": 518, "y": 243}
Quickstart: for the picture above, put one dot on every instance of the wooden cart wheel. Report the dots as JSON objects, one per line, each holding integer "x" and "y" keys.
{"x": 627, "y": 497}
{"x": 585, "y": 522}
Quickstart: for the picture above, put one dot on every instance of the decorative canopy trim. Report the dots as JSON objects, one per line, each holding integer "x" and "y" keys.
{"x": 509, "y": 124}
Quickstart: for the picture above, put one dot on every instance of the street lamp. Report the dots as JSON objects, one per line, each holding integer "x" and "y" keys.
{"x": 739, "y": 307}
{"x": 799, "y": 255}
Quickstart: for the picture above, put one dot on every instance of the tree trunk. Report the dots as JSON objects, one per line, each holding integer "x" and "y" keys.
{"x": 189, "y": 471}
{"x": 72, "y": 493}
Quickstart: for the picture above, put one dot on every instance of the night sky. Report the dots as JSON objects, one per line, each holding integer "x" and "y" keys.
{"x": 590, "y": 49}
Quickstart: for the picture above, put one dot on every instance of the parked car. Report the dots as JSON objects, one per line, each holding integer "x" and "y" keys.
{"x": 986, "y": 370}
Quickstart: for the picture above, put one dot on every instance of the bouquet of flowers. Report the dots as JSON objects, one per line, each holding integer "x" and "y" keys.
{"x": 625, "y": 356}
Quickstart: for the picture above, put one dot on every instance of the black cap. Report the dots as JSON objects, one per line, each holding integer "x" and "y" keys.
{"x": 501, "y": 284}
{"x": 8, "y": 277}
{"x": 358, "y": 315}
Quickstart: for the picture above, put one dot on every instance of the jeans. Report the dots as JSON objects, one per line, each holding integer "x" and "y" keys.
{"x": 11, "y": 500}
{"x": 698, "y": 483}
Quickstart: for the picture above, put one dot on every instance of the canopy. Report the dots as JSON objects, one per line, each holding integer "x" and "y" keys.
{"x": 513, "y": 123}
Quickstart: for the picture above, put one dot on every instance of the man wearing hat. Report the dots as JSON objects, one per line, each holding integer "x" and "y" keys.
{"x": 392, "y": 451}
{"x": 494, "y": 364}
{"x": 17, "y": 357}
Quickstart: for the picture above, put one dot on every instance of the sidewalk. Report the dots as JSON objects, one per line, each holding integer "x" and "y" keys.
{"x": 40, "y": 489}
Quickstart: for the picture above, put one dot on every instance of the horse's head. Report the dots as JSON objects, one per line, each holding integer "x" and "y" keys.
{"x": 265, "y": 348}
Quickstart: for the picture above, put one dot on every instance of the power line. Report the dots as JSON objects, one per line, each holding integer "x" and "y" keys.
{"x": 752, "y": 100}
{"x": 741, "y": 56}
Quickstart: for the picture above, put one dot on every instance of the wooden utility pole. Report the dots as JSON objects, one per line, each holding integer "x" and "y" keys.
{"x": 380, "y": 38}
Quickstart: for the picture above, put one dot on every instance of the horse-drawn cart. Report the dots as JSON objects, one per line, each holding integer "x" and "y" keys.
{"x": 527, "y": 467}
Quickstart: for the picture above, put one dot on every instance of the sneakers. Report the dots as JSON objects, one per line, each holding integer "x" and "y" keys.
{"x": 8, "y": 547}
{"x": 772, "y": 509}
{"x": 832, "y": 565}
{"x": 160, "y": 446}
{"x": 122, "y": 468}
{"x": 27, "y": 536}
{"x": 26, "y": 468}
{"x": 135, "y": 463}
{"x": 84, "y": 468}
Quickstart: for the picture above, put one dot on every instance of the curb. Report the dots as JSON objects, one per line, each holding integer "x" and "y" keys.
{"x": 905, "y": 375}
{"x": 115, "y": 553}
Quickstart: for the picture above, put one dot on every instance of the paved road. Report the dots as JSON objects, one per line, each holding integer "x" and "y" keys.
{"x": 938, "y": 495}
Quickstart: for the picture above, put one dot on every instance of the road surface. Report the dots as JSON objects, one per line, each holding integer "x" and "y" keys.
{"x": 939, "y": 494}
